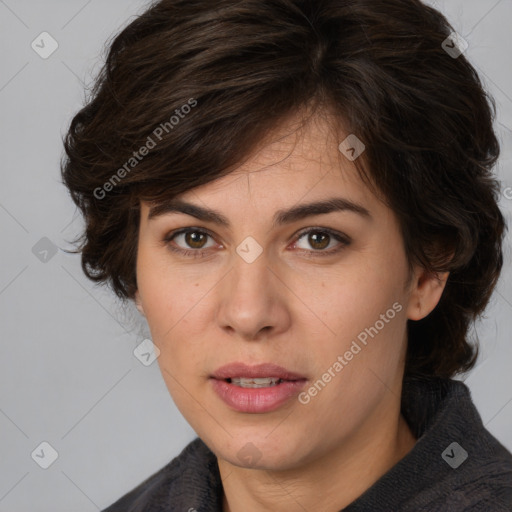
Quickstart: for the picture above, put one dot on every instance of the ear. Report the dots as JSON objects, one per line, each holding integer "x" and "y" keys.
{"x": 138, "y": 303}
{"x": 426, "y": 291}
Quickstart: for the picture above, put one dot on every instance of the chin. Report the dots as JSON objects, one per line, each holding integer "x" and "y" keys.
{"x": 260, "y": 451}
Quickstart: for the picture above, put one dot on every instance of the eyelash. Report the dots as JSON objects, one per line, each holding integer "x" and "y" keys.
{"x": 198, "y": 253}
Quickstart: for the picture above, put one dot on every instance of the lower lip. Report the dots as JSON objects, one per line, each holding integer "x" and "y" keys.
{"x": 257, "y": 400}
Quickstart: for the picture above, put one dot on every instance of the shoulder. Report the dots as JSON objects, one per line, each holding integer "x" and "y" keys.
{"x": 469, "y": 469}
{"x": 456, "y": 465}
{"x": 171, "y": 483}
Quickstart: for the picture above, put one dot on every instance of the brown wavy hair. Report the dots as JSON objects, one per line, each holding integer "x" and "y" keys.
{"x": 190, "y": 87}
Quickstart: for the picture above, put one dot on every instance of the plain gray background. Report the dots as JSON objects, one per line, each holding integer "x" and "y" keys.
{"x": 68, "y": 374}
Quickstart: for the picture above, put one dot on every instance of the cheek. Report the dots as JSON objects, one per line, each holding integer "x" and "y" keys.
{"x": 170, "y": 294}
{"x": 363, "y": 308}
{"x": 177, "y": 312}
{"x": 352, "y": 297}
{"x": 172, "y": 309}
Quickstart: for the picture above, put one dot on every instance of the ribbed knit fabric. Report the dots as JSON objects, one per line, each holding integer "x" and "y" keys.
{"x": 473, "y": 475}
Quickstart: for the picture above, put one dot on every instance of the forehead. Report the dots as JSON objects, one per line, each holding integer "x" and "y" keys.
{"x": 299, "y": 161}
{"x": 295, "y": 157}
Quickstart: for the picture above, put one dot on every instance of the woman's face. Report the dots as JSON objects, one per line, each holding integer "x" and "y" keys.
{"x": 301, "y": 267}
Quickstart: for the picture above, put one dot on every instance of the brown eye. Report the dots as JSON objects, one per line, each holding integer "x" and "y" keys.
{"x": 318, "y": 240}
{"x": 190, "y": 240}
{"x": 195, "y": 239}
{"x": 321, "y": 242}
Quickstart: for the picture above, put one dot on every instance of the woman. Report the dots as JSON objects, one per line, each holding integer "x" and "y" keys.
{"x": 298, "y": 196}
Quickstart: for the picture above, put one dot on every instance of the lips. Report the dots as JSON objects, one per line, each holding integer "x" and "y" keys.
{"x": 260, "y": 371}
{"x": 256, "y": 389}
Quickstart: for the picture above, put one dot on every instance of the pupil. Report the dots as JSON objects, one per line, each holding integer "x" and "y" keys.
{"x": 195, "y": 240}
{"x": 315, "y": 243}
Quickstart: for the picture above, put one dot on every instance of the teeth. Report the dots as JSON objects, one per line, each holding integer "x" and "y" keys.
{"x": 263, "y": 382}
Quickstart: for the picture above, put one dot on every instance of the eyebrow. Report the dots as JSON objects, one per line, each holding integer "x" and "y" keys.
{"x": 296, "y": 213}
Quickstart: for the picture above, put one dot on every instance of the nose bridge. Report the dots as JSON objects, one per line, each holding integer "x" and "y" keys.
{"x": 250, "y": 266}
{"x": 250, "y": 300}
{"x": 249, "y": 282}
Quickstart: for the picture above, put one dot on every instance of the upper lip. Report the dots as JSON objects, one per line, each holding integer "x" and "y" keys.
{"x": 233, "y": 370}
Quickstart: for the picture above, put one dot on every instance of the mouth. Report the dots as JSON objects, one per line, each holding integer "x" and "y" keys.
{"x": 256, "y": 389}
{"x": 261, "y": 375}
{"x": 263, "y": 382}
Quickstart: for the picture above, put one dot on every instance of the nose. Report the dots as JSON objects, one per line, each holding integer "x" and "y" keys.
{"x": 252, "y": 301}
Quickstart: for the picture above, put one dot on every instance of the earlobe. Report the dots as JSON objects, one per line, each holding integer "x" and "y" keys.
{"x": 138, "y": 304}
{"x": 426, "y": 293}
